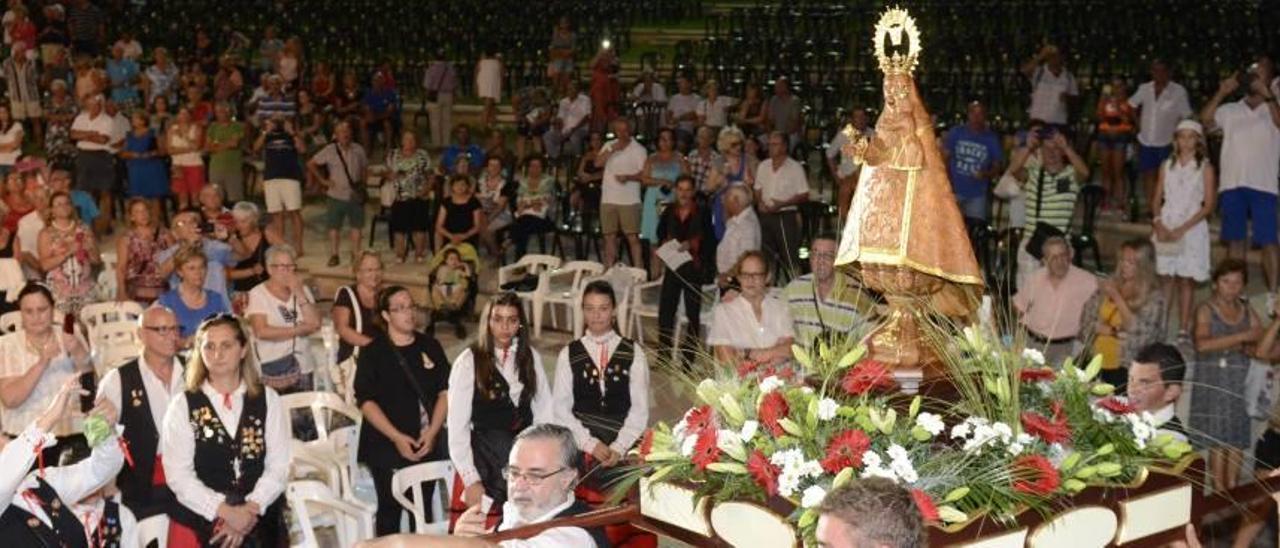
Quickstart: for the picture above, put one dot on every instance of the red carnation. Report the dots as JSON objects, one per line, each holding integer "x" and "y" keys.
{"x": 845, "y": 450}
{"x": 764, "y": 472}
{"x": 747, "y": 368}
{"x": 1117, "y": 406}
{"x": 928, "y": 510}
{"x": 773, "y": 408}
{"x": 868, "y": 376}
{"x": 699, "y": 419}
{"x": 705, "y": 451}
{"x": 646, "y": 443}
{"x": 1036, "y": 374}
{"x": 1034, "y": 475}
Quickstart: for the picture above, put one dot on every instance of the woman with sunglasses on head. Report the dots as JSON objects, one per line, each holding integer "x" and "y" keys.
{"x": 226, "y": 443}
{"x": 401, "y": 386}
{"x": 190, "y": 301}
{"x": 497, "y": 387}
{"x": 282, "y": 314}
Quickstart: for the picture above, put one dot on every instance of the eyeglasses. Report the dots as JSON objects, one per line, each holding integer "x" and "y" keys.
{"x": 533, "y": 479}
{"x": 284, "y": 266}
{"x": 162, "y": 329}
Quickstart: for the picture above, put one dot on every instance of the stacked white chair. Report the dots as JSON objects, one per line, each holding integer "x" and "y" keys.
{"x": 309, "y": 500}
{"x": 528, "y": 265}
{"x": 95, "y": 314}
{"x": 411, "y": 479}
{"x": 561, "y": 287}
{"x": 113, "y": 344}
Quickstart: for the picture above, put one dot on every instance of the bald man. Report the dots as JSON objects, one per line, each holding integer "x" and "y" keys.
{"x": 141, "y": 389}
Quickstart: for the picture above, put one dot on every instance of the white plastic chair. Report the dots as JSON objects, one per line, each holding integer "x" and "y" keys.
{"x": 411, "y": 478}
{"x": 10, "y": 321}
{"x": 332, "y": 454}
{"x": 321, "y": 405}
{"x": 102, "y": 313}
{"x": 642, "y": 304}
{"x": 561, "y": 287}
{"x": 352, "y": 520}
{"x": 528, "y": 265}
{"x": 105, "y": 287}
{"x": 153, "y": 529}
{"x": 113, "y": 344}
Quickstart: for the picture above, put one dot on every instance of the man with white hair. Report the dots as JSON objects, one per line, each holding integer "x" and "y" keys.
{"x": 541, "y": 472}
{"x": 742, "y": 230}
{"x": 1049, "y": 306}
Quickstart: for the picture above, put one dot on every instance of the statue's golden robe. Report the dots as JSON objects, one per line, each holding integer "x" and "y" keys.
{"x": 903, "y": 212}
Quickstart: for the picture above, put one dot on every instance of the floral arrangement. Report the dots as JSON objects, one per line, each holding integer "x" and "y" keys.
{"x": 1018, "y": 436}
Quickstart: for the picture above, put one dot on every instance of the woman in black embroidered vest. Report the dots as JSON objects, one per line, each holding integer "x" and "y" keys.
{"x": 401, "y": 387}
{"x": 497, "y": 387}
{"x": 601, "y": 393}
{"x": 226, "y": 446}
{"x": 36, "y": 505}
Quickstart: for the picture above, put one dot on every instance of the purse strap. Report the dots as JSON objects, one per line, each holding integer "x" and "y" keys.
{"x": 351, "y": 181}
{"x": 413, "y": 382}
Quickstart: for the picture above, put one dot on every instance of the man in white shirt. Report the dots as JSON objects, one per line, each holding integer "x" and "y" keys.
{"x": 649, "y": 90}
{"x": 541, "y": 472}
{"x": 741, "y": 232}
{"x": 1250, "y": 164}
{"x": 141, "y": 390}
{"x": 781, "y": 186}
{"x": 29, "y": 227}
{"x": 623, "y": 161}
{"x": 1052, "y": 87}
{"x": 1161, "y": 103}
{"x": 569, "y": 126}
{"x": 682, "y": 112}
{"x": 93, "y": 130}
{"x": 841, "y": 165}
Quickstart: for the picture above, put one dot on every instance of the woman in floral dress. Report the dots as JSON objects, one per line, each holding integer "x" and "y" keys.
{"x": 68, "y": 254}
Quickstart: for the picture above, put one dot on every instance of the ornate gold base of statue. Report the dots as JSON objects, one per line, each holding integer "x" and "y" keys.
{"x": 904, "y": 234}
{"x": 899, "y": 340}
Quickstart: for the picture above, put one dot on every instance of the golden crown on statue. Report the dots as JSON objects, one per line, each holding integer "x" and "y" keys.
{"x": 897, "y": 42}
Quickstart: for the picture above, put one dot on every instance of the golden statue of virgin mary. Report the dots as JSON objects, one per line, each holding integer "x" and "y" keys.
{"x": 904, "y": 232}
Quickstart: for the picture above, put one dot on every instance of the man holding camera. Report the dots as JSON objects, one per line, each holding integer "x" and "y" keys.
{"x": 282, "y": 175}
{"x": 1250, "y": 164}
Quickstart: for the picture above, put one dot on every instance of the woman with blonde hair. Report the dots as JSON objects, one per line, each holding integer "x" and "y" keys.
{"x": 226, "y": 445}
{"x": 737, "y": 168}
{"x": 1127, "y": 313}
{"x": 68, "y": 252}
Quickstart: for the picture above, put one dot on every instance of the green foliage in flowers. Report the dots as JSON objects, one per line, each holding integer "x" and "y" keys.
{"x": 1019, "y": 435}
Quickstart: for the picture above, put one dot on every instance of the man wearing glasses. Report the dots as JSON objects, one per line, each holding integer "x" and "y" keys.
{"x": 826, "y": 302}
{"x": 186, "y": 228}
{"x": 141, "y": 389}
{"x": 541, "y": 474}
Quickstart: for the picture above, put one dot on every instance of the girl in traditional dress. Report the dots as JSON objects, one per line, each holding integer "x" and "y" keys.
{"x": 497, "y": 388}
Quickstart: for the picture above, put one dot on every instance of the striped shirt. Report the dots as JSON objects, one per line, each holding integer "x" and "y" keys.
{"x": 1053, "y": 199}
{"x": 844, "y": 308}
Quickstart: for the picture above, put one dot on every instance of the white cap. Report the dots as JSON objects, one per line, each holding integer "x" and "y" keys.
{"x": 1190, "y": 125}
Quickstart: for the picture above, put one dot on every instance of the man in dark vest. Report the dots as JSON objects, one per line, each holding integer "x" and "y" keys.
{"x": 541, "y": 474}
{"x": 141, "y": 390}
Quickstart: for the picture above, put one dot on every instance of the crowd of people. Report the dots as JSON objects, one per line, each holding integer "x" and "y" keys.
{"x": 215, "y": 172}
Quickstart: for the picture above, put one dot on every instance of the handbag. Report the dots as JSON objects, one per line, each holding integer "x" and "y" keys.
{"x": 359, "y": 193}
{"x": 1168, "y": 249}
{"x": 1259, "y": 389}
{"x": 1042, "y": 231}
{"x": 1008, "y": 187}
{"x": 343, "y": 375}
